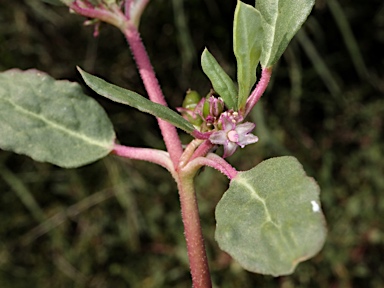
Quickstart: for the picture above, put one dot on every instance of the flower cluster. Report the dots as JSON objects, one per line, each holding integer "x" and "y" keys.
{"x": 209, "y": 115}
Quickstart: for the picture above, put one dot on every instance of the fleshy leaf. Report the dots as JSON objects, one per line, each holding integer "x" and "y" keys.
{"x": 281, "y": 19}
{"x": 221, "y": 82}
{"x": 130, "y": 98}
{"x": 247, "y": 41}
{"x": 51, "y": 121}
{"x": 270, "y": 218}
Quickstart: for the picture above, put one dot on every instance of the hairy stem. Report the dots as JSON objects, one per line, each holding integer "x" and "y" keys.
{"x": 168, "y": 131}
{"x": 115, "y": 17}
{"x": 188, "y": 152}
{"x": 203, "y": 149}
{"x": 259, "y": 90}
{"x": 159, "y": 157}
{"x": 193, "y": 235}
{"x": 214, "y": 161}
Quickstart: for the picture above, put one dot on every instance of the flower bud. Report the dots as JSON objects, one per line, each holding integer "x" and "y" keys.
{"x": 213, "y": 107}
{"x": 192, "y": 98}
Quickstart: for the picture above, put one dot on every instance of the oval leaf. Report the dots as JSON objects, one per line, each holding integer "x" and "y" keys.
{"x": 281, "y": 19}
{"x": 247, "y": 41}
{"x": 130, "y": 98}
{"x": 270, "y": 218}
{"x": 221, "y": 82}
{"x": 51, "y": 121}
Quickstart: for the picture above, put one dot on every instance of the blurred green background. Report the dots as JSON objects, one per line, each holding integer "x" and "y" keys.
{"x": 116, "y": 223}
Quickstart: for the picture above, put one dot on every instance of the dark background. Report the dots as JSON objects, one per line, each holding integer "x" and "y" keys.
{"x": 116, "y": 223}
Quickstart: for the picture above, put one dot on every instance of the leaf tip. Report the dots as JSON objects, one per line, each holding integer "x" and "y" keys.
{"x": 80, "y": 70}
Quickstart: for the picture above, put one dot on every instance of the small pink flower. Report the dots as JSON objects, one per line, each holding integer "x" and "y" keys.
{"x": 233, "y": 135}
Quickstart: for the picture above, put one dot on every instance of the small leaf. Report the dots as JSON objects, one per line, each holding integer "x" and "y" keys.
{"x": 270, "y": 219}
{"x": 247, "y": 41}
{"x": 127, "y": 97}
{"x": 281, "y": 19}
{"x": 51, "y": 121}
{"x": 221, "y": 82}
{"x": 57, "y": 2}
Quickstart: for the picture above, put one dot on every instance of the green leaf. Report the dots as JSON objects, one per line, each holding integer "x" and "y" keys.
{"x": 57, "y": 2}
{"x": 270, "y": 218}
{"x": 51, "y": 121}
{"x": 127, "y": 97}
{"x": 221, "y": 82}
{"x": 247, "y": 42}
{"x": 281, "y": 19}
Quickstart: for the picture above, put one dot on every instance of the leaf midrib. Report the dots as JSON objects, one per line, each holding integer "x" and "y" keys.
{"x": 273, "y": 33}
{"x": 89, "y": 140}
{"x": 254, "y": 194}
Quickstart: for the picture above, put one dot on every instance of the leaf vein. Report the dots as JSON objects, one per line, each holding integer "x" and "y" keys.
{"x": 57, "y": 126}
{"x": 255, "y": 195}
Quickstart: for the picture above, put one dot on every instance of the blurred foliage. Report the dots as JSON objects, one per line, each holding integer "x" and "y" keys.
{"x": 116, "y": 223}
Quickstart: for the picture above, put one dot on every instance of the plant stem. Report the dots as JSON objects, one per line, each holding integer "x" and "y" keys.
{"x": 115, "y": 17}
{"x": 189, "y": 151}
{"x": 203, "y": 149}
{"x": 192, "y": 231}
{"x": 168, "y": 131}
{"x": 214, "y": 161}
{"x": 259, "y": 90}
{"x": 158, "y": 157}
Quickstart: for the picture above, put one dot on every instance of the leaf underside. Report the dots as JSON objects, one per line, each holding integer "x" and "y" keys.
{"x": 270, "y": 218}
{"x": 51, "y": 121}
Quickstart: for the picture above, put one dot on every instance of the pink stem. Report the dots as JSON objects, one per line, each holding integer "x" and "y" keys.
{"x": 231, "y": 172}
{"x": 171, "y": 138}
{"x": 201, "y": 135}
{"x": 116, "y": 18}
{"x": 146, "y": 154}
{"x": 188, "y": 152}
{"x": 101, "y": 13}
{"x": 259, "y": 90}
{"x": 214, "y": 161}
{"x": 193, "y": 235}
{"x": 202, "y": 150}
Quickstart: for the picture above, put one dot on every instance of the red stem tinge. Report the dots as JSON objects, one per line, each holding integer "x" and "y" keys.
{"x": 259, "y": 90}
{"x": 169, "y": 132}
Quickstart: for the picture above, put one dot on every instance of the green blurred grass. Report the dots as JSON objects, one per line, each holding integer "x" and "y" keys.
{"x": 116, "y": 223}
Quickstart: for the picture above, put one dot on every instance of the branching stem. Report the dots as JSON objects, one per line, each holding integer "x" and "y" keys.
{"x": 182, "y": 165}
{"x": 168, "y": 131}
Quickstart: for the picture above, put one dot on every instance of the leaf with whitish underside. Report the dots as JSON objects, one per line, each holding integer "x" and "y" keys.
{"x": 130, "y": 98}
{"x": 270, "y": 218}
{"x": 247, "y": 41}
{"x": 281, "y": 19}
{"x": 51, "y": 121}
{"x": 221, "y": 82}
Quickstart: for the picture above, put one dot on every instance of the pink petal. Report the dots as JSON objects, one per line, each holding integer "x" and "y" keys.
{"x": 229, "y": 149}
{"x": 247, "y": 139}
{"x": 218, "y": 137}
{"x": 245, "y": 128}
